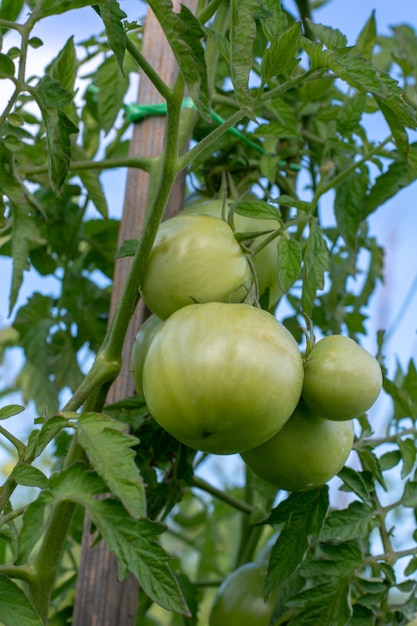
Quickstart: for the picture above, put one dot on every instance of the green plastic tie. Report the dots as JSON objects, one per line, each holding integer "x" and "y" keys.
{"x": 138, "y": 112}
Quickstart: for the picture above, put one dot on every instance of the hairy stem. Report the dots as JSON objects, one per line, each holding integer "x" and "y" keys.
{"x": 240, "y": 505}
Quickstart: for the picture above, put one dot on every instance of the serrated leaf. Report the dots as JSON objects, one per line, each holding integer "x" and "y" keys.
{"x": 357, "y": 520}
{"x": 64, "y": 67}
{"x": 409, "y": 496}
{"x": 365, "y": 43}
{"x": 91, "y": 181}
{"x": 36, "y": 385}
{"x": 350, "y": 114}
{"x": 10, "y": 410}
{"x": 332, "y": 38}
{"x": 104, "y": 440}
{"x": 323, "y": 605}
{"x": 112, "y": 87}
{"x": 40, "y": 438}
{"x": 371, "y": 462}
{"x": 280, "y": 56}
{"x": 128, "y": 248}
{"x": 133, "y": 542}
{"x": 15, "y": 608}
{"x": 112, "y": 14}
{"x": 257, "y": 209}
{"x": 275, "y": 19}
{"x": 356, "y": 483}
{"x": 25, "y": 234}
{"x": 289, "y": 262}
{"x": 242, "y": 38}
{"x": 56, "y": 7}
{"x": 396, "y": 177}
{"x": 289, "y": 201}
{"x": 315, "y": 265}
{"x": 303, "y": 514}
{"x": 7, "y": 67}
{"x": 29, "y": 476}
{"x": 348, "y": 207}
{"x": 184, "y": 32}
{"x": 408, "y": 454}
{"x": 34, "y": 522}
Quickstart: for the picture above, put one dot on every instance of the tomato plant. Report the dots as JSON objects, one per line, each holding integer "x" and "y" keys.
{"x": 305, "y": 124}
{"x": 195, "y": 258}
{"x": 307, "y": 452}
{"x": 341, "y": 379}
{"x": 222, "y": 378}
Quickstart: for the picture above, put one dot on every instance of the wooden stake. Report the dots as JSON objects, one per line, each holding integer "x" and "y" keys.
{"x": 100, "y": 599}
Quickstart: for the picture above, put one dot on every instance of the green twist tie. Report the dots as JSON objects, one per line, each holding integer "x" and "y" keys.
{"x": 138, "y": 112}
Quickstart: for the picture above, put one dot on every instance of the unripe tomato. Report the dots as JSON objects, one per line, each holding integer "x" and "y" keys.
{"x": 341, "y": 379}
{"x": 240, "y": 599}
{"x": 140, "y": 348}
{"x": 265, "y": 261}
{"x": 307, "y": 452}
{"x": 195, "y": 258}
{"x": 222, "y": 378}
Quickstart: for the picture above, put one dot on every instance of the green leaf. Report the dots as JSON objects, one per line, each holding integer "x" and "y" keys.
{"x": 25, "y": 235}
{"x": 275, "y": 19}
{"x": 350, "y": 114}
{"x": 56, "y": 7}
{"x": 331, "y": 37}
{"x": 36, "y": 385}
{"x": 257, "y": 209}
{"x": 112, "y": 14}
{"x": 10, "y": 410}
{"x": 112, "y": 87}
{"x": 298, "y": 204}
{"x": 289, "y": 262}
{"x": 348, "y": 207}
{"x": 133, "y": 542}
{"x": 323, "y": 605}
{"x": 357, "y": 520}
{"x": 302, "y": 514}
{"x": 409, "y": 496}
{"x": 64, "y": 67}
{"x": 51, "y": 97}
{"x": 10, "y": 9}
{"x": 15, "y": 608}
{"x": 184, "y": 33}
{"x": 366, "y": 41}
{"x": 316, "y": 264}
{"x": 91, "y": 181}
{"x": 408, "y": 454}
{"x": 29, "y": 476}
{"x": 242, "y": 38}
{"x": 280, "y": 56}
{"x": 34, "y": 523}
{"x": 7, "y": 67}
{"x": 355, "y": 482}
{"x": 128, "y": 248}
{"x": 388, "y": 184}
{"x": 103, "y": 440}
{"x": 40, "y": 438}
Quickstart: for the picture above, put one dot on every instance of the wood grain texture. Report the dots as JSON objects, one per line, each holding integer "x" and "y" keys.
{"x": 101, "y": 600}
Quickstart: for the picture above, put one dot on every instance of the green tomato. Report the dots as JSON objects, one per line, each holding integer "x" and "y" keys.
{"x": 240, "y": 599}
{"x": 222, "y": 378}
{"x": 265, "y": 261}
{"x": 140, "y": 348}
{"x": 307, "y": 452}
{"x": 195, "y": 258}
{"x": 341, "y": 379}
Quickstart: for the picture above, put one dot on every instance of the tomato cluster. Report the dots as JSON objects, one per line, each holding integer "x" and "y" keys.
{"x": 224, "y": 376}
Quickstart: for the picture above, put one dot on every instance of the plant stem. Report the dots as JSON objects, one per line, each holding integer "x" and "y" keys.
{"x": 141, "y": 163}
{"x": 147, "y": 68}
{"x": 240, "y": 505}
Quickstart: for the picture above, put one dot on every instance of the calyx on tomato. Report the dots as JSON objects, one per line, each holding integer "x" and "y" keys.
{"x": 195, "y": 258}
{"x": 222, "y": 378}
